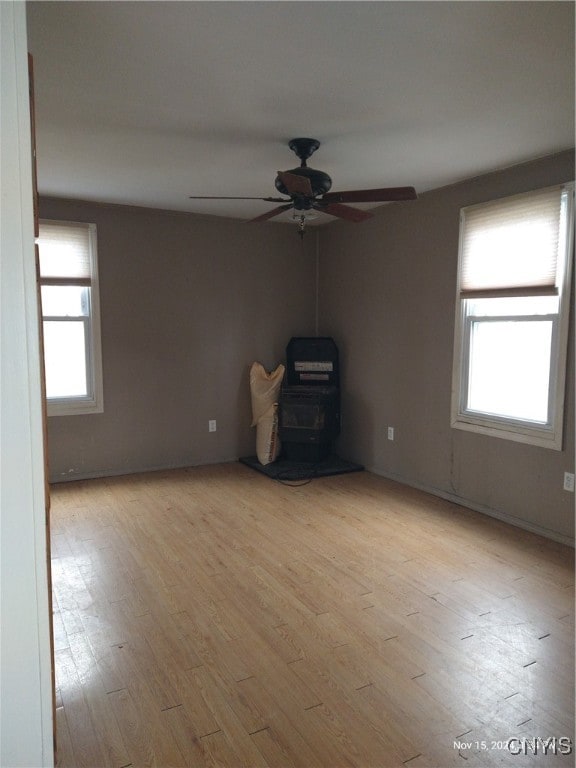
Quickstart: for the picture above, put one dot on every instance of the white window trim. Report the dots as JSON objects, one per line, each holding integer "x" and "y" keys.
{"x": 549, "y": 435}
{"x": 69, "y": 406}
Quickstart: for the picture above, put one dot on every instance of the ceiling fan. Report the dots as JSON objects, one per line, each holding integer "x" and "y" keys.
{"x": 308, "y": 190}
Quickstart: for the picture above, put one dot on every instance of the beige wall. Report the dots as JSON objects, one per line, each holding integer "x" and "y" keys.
{"x": 387, "y": 294}
{"x": 187, "y": 304}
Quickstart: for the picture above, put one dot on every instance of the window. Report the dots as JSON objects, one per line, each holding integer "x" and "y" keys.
{"x": 512, "y": 316}
{"x": 70, "y": 315}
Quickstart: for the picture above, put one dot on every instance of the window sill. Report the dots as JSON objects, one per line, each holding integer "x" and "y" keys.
{"x": 541, "y": 437}
{"x": 73, "y": 407}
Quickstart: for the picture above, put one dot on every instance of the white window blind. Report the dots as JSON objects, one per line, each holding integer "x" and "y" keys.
{"x": 512, "y": 244}
{"x": 64, "y": 250}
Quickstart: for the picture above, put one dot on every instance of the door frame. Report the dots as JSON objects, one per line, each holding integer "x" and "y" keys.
{"x": 27, "y": 720}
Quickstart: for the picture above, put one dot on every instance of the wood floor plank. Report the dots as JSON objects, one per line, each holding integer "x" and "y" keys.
{"x": 340, "y": 716}
{"x": 148, "y": 741}
{"x": 65, "y": 750}
{"x": 189, "y": 743}
{"x": 135, "y": 732}
{"x": 105, "y": 725}
{"x": 86, "y": 746}
{"x": 216, "y": 698}
{"x": 212, "y": 617}
{"x": 272, "y": 750}
{"x": 282, "y": 734}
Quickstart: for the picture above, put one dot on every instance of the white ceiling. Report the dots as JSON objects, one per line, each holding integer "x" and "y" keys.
{"x": 146, "y": 103}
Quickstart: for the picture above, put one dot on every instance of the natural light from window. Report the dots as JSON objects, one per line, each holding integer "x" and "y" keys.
{"x": 510, "y": 355}
{"x": 509, "y": 369}
{"x": 64, "y": 356}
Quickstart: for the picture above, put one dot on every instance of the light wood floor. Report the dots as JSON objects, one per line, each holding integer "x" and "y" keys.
{"x": 214, "y": 617}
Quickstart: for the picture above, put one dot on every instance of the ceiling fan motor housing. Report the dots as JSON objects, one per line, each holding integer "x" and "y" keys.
{"x": 319, "y": 181}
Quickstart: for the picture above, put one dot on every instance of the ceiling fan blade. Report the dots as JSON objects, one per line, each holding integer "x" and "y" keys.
{"x": 386, "y": 195}
{"x": 344, "y": 212}
{"x": 270, "y": 214}
{"x": 296, "y": 185}
{"x": 222, "y": 197}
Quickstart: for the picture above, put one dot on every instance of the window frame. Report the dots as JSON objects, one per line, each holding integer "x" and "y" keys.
{"x": 93, "y": 402}
{"x": 550, "y": 434}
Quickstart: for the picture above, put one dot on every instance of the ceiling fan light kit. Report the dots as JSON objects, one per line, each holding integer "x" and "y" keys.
{"x": 309, "y": 190}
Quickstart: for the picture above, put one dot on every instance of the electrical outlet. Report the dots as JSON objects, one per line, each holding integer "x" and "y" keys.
{"x": 212, "y": 425}
{"x": 569, "y": 481}
{"x": 390, "y": 433}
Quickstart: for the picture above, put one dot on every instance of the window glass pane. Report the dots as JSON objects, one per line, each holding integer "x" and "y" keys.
{"x": 65, "y": 300}
{"x": 65, "y": 358}
{"x": 509, "y": 371}
{"x": 513, "y": 305}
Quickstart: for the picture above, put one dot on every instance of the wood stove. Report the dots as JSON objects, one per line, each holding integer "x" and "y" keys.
{"x": 309, "y": 406}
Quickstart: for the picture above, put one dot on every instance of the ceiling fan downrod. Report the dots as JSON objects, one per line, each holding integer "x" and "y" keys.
{"x": 303, "y": 148}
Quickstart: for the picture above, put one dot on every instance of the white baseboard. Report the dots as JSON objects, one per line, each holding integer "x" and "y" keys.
{"x": 504, "y": 517}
